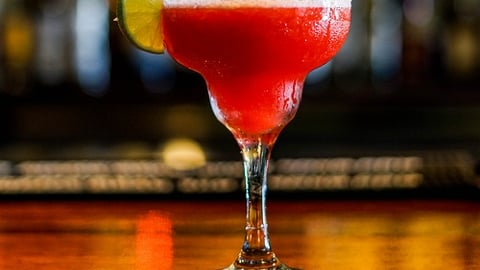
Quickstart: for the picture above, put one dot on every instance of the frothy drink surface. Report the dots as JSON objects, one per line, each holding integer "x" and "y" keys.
{"x": 257, "y": 3}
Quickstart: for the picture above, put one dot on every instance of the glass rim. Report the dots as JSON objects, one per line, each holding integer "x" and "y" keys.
{"x": 258, "y": 3}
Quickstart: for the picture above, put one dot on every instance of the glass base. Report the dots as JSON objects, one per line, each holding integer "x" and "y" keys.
{"x": 277, "y": 267}
{"x": 245, "y": 262}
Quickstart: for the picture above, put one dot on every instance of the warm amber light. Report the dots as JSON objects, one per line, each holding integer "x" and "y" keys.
{"x": 183, "y": 154}
{"x": 154, "y": 242}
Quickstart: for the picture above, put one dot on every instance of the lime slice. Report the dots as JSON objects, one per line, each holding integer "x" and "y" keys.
{"x": 140, "y": 21}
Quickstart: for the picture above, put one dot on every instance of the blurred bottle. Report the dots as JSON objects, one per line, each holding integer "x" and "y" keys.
{"x": 91, "y": 46}
{"x": 419, "y": 49}
{"x": 16, "y": 47}
{"x": 386, "y": 48}
{"x": 53, "y": 42}
{"x": 461, "y": 39}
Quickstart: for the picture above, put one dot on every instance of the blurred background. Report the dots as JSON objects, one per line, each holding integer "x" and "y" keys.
{"x": 82, "y": 111}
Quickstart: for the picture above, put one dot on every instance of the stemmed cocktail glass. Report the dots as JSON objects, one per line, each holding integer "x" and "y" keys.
{"x": 254, "y": 56}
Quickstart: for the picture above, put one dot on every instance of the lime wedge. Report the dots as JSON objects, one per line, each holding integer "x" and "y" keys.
{"x": 140, "y": 22}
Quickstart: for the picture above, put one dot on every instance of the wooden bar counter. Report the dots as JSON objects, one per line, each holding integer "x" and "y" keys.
{"x": 176, "y": 235}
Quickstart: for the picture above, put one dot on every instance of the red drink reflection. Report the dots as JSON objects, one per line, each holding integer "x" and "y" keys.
{"x": 154, "y": 242}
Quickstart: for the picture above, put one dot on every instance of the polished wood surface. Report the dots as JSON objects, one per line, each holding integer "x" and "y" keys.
{"x": 171, "y": 235}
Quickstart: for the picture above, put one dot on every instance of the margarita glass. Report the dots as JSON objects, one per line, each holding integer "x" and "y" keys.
{"x": 254, "y": 56}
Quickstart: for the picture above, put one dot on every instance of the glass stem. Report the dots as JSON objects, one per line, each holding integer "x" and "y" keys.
{"x": 256, "y": 248}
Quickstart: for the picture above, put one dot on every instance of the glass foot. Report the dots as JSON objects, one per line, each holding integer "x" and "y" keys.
{"x": 277, "y": 267}
{"x": 245, "y": 262}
